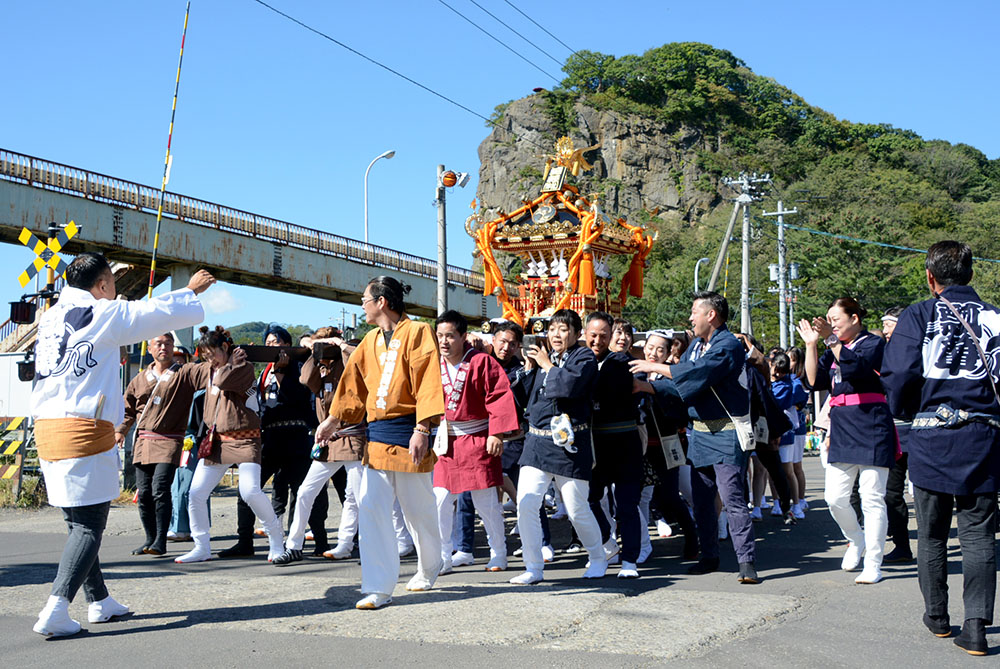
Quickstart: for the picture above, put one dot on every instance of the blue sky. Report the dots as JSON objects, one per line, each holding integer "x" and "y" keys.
{"x": 278, "y": 121}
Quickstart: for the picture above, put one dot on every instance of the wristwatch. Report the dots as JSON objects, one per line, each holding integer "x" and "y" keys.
{"x": 831, "y": 341}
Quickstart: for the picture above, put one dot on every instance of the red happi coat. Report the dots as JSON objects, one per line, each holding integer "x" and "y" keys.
{"x": 485, "y": 394}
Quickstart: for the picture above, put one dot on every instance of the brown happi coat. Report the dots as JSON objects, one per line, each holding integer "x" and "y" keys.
{"x": 226, "y": 410}
{"x": 161, "y": 406}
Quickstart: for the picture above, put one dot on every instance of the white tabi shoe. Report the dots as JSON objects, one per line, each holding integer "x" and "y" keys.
{"x": 797, "y": 512}
{"x": 498, "y": 563}
{"x": 105, "y": 610}
{"x": 54, "y": 620}
{"x": 663, "y": 529}
{"x": 339, "y": 552}
{"x": 776, "y": 509}
{"x": 596, "y": 569}
{"x": 419, "y": 583}
{"x": 447, "y": 568}
{"x": 527, "y": 578}
{"x": 628, "y": 570}
{"x": 548, "y": 553}
{"x": 870, "y": 575}
{"x": 275, "y": 540}
{"x": 405, "y": 549}
{"x": 196, "y": 555}
{"x": 852, "y": 558}
{"x": 560, "y": 513}
{"x": 376, "y": 600}
{"x": 461, "y": 558}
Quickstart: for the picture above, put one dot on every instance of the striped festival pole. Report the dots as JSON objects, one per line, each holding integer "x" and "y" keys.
{"x": 166, "y": 173}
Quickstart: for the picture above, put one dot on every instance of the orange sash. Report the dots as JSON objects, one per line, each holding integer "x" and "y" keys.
{"x": 65, "y": 438}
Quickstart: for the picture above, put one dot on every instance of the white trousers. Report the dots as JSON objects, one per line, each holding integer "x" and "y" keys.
{"x": 871, "y": 484}
{"x": 403, "y": 538}
{"x": 379, "y": 553}
{"x": 205, "y": 478}
{"x": 684, "y": 484}
{"x": 644, "y": 498}
{"x": 487, "y": 506}
{"x": 531, "y": 486}
{"x": 312, "y": 485}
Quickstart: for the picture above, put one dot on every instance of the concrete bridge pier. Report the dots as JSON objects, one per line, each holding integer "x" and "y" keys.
{"x": 180, "y": 275}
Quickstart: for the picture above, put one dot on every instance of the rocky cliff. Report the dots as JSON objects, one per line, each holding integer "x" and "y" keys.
{"x": 639, "y": 166}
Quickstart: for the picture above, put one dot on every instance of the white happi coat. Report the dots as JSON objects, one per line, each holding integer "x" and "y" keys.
{"x": 77, "y": 363}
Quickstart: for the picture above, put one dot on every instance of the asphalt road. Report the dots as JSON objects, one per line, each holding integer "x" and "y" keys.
{"x": 222, "y": 613}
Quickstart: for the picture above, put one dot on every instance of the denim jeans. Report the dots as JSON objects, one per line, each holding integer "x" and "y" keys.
{"x": 79, "y": 564}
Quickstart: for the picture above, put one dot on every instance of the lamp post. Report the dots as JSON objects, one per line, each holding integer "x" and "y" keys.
{"x": 697, "y": 265}
{"x": 386, "y": 155}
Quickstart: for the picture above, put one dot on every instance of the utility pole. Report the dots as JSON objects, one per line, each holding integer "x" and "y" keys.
{"x": 717, "y": 269}
{"x": 442, "y": 274}
{"x": 750, "y": 190}
{"x": 784, "y": 295}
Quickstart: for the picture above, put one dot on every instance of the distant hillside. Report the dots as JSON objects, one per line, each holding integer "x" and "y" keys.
{"x": 253, "y": 332}
{"x": 675, "y": 120}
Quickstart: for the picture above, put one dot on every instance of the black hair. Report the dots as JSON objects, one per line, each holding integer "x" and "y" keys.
{"x": 601, "y": 316}
{"x": 850, "y": 307}
{"x": 393, "y": 290}
{"x": 569, "y": 318}
{"x": 510, "y": 326}
{"x": 86, "y": 270}
{"x": 716, "y": 302}
{"x": 168, "y": 335}
{"x": 455, "y": 318}
{"x": 893, "y": 312}
{"x": 279, "y": 332}
{"x": 754, "y": 343}
{"x": 950, "y": 263}
{"x": 780, "y": 363}
{"x": 219, "y": 338}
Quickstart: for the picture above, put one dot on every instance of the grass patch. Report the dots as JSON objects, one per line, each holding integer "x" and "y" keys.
{"x": 32, "y": 494}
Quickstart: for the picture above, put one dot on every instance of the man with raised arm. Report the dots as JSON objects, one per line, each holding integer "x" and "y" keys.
{"x": 76, "y": 403}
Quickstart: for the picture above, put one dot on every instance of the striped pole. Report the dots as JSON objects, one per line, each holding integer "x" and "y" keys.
{"x": 166, "y": 172}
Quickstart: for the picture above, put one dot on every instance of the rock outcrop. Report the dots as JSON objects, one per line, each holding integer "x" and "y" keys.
{"x": 641, "y": 165}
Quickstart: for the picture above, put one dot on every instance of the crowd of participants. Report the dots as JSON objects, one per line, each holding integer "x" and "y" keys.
{"x": 625, "y": 433}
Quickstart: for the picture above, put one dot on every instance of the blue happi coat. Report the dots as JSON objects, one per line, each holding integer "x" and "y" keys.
{"x": 862, "y": 434}
{"x": 566, "y": 388}
{"x": 718, "y": 364}
{"x": 931, "y": 360}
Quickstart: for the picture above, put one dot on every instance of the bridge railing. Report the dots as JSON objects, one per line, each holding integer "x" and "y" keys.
{"x": 100, "y": 187}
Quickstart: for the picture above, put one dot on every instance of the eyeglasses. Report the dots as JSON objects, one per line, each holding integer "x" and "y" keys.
{"x": 366, "y": 300}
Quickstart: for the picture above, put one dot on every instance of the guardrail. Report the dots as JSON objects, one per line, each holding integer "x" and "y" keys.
{"x": 94, "y": 186}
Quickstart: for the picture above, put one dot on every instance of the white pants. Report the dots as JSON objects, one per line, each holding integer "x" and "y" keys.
{"x": 644, "y": 498}
{"x": 403, "y": 538}
{"x": 379, "y": 553}
{"x": 205, "y": 478}
{"x": 531, "y": 486}
{"x": 487, "y": 506}
{"x": 312, "y": 485}
{"x": 871, "y": 484}
{"x": 684, "y": 484}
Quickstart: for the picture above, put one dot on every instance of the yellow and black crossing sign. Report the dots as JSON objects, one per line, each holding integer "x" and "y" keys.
{"x": 13, "y": 446}
{"x": 47, "y": 252}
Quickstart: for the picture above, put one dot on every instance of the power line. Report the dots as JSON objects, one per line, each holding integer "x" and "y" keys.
{"x": 858, "y": 240}
{"x": 399, "y": 74}
{"x": 498, "y": 41}
{"x": 541, "y": 27}
{"x": 538, "y": 48}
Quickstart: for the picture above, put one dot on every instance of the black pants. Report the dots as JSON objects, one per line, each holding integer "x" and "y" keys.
{"x": 667, "y": 493}
{"x": 339, "y": 481}
{"x": 895, "y": 504}
{"x": 771, "y": 460}
{"x": 153, "y": 483}
{"x": 79, "y": 564}
{"x": 285, "y": 457}
{"x": 624, "y": 470}
{"x": 976, "y": 528}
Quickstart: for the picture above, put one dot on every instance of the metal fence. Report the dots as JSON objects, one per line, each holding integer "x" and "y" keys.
{"x": 102, "y": 188}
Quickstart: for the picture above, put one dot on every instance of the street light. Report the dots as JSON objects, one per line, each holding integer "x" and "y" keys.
{"x": 386, "y": 155}
{"x": 697, "y": 265}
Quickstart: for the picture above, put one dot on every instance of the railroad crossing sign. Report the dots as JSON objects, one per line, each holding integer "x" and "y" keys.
{"x": 48, "y": 253}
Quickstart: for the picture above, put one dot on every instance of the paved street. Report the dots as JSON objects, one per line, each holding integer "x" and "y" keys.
{"x": 248, "y": 613}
